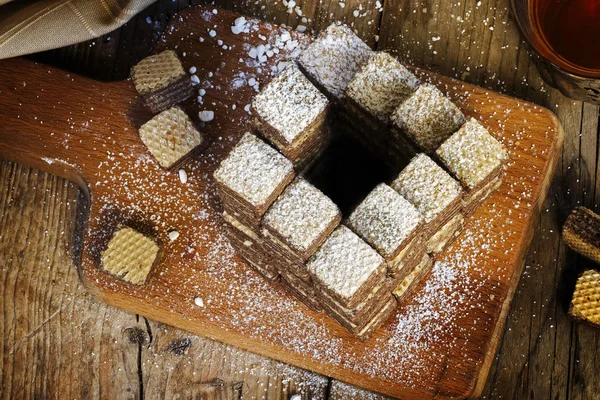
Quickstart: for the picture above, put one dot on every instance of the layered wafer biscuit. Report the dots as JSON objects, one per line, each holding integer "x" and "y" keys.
{"x": 346, "y": 268}
{"x": 365, "y": 332}
{"x": 389, "y": 223}
{"x": 332, "y": 59}
{"x": 171, "y": 136}
{"x": 476, "y": 159}
{"x": 585, "y": 305}
{"x": 432, "y": 191}
{"x": 251, "y": 178}
{"x": 427, "y": 117}
{"x": 291, "y": 113}
{"x": 413, "y": 278}
{"x": 381, "y": 85}
{"x": 299, "y": 221}
{"x": 161, "y": 81}
{"x": 130, "y": 255}
{"x": 581, "y": 231}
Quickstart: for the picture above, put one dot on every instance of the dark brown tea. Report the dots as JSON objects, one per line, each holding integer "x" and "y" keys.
{"x": 572, "y": 29}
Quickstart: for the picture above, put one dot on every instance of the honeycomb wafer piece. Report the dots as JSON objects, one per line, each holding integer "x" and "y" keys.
{"x": 251, "y": 178}
{"x": 428, "y": 117}
{"x": 170, "y": 136}
{"x": 130, "y": 255}
{"x": 581, "y": 231}
{"x": 332, "y": 59}
{"x": 585, "y": 305}
{"x": 290, "y": 112}
{"x": 381, "y": 85}
{"x": 161, "y": 81}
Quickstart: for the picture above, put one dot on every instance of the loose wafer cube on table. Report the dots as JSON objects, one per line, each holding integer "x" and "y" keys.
{"x": 436, "y": 195}
{"x": 392, "y": 226}
{"x": 581, "y": 232}
{"x": 332, "y": 59}
{"x": 299, "y": 221}
{"x": 161, "y": 81}
{"x": 250, "y": 178}
{"x": 291, "y": 113}
{"x": 476, "y": 159}
{"x": 427, "y": 117}
{"x": 585, "y": 304}
{"x": 171, "y": 136}
{"x": 130, "y": 255}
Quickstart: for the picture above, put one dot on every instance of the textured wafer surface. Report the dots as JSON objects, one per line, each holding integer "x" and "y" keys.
{"x": 581, "y": 231}
{"x": 157, "y": 72}
{"x": 170, "y": 136}
{"x": 254, "y": 170}
{"x": 585, "y": 304}
{"x": 472, "y": 154}
{"x": 334, "y": 58}
{"x": 428, "y": 117}
{"x": 385, "y": 219}
{"x": 381, "y": 85}
{"x": 427, "y": 186}
{"x": 290, "y": 103}
{"x": 130, "y": 255}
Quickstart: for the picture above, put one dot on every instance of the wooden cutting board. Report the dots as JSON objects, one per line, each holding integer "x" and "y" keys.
{"x": 440, "y": 343}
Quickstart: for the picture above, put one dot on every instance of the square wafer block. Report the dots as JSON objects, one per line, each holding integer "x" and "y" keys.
{"x": 476, "y": 159}
{"x": 431, "y": 190}
{"x": 445, "y": 235}
{"x": 365, "y": 332}
{"x": 581, "y": 231}
{"x": 170, "y": 136}
{"x": 161, "y": 81}
{"x": 585, "y": 305}
{"x": 249, "y": 246}
{"x": 332, "y": 59}
{"x": 299, "y": 221}
{"x": 411, "y": 280}
{"x": 130, "y": 255}
{"x": 381, "y": 85}
{"x": 251, "y": 178}
{"x": 290, "y": 112}
{"x": 428, "y": 117}
{"x": 303, "y": 291}
{"x": 346, "y": 268}
{"x": 386, "y": 220}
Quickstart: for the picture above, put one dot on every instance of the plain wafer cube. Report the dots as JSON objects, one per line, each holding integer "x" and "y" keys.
{"x": 130, "y": 255}
{"x": 428, "y": 117}
{"x": 171, "y": 136}
{"x": 291, "y": 113}
{"x": 332, "y": 59}
{"x": 585, "y": 304}
{"x": 161, "y": 81}
{"x": 250, "y": 178}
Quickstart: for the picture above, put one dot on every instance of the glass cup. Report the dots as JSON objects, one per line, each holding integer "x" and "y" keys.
{"x": 573, "y": 81}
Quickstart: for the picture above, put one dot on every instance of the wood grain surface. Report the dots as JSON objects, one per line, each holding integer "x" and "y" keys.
{"x": 569, "y": 378}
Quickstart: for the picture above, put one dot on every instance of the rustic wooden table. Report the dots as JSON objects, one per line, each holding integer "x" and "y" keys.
{"x": 58, "y": 342}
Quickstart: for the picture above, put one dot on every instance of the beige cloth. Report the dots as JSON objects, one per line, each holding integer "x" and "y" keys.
{"x": 28, "y": 26}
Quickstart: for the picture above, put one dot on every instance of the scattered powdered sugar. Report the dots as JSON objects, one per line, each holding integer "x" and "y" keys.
{"x": 206, "y": 115}
{"x": 173, "y": 235}
{"x": 384, "y": 219}
{"x": 183, "y": 177}
{"x": 344, "y": 262}
{"x": 427, "y": 186}
{"x": 253, "y": 169}
{"x": 290, "y": 103}
{"x": 301, "y": 214}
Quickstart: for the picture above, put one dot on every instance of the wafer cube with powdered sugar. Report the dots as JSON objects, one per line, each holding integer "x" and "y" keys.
{"x": 333, "y": 59}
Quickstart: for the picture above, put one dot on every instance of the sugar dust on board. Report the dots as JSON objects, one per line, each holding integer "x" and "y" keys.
{"x": 572, "y": 28}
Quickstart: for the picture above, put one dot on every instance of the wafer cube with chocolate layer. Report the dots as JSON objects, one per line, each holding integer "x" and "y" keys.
{"x": 332, "y": 59}
{"x": 410, "y": 281}
{"x": 250, "y": 178}
{"x": 171, "y": 137}
{"x": 476, "y": 159}
{"x": 299, "y": 221}
{"x": 130, "y": 255}
{"x": 291, "y": 113}
{"x": 585, "y": 305}
{"x": 427, "y": 117}
{"x": 161, "y": 81}
{"x": 436, "y": 195}
{"x": 581, "y": 231}
{"x": 391, "y": 225}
